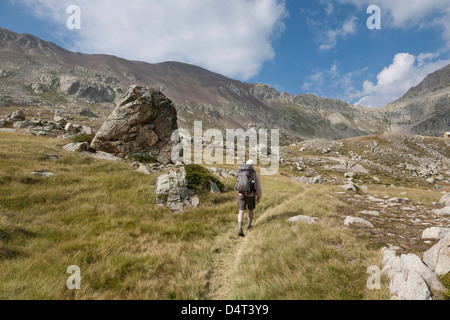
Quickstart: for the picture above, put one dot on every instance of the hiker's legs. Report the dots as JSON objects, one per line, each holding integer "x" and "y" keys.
{"x": 250, "y": 218}
{"x": 241, "y": 218}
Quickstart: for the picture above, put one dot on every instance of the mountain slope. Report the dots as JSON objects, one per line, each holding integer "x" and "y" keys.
{"x": 424, "y": 109}
{"x": 37, "y": 73}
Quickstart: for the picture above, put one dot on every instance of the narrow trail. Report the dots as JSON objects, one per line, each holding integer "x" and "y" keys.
{"x": 229, "y": 248}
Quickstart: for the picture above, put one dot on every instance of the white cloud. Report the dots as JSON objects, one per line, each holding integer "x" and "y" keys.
{"x": 405, "y": 72}
{"x": 406, "y": 14}
{"x": 232, "y": 37}
{"x": 330, "y": 38}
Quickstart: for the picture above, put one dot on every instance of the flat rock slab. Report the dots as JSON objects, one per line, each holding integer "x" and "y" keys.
{"x": 304, "y": 219}
{"x": 43, "y": 174}
{"x": 353, "y": 220}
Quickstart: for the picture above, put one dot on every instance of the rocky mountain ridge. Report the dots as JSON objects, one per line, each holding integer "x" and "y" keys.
{"x": 45, "y": 76}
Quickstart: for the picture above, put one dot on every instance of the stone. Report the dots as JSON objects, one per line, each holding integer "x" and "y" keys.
{"x": 350, "y": 187}
{"x": 350, "y": 175}
{"x": 144, "y": 170}
{"x": 70, "y": 129}
{"x": 77, "y": 147}
{"x": 412, "y": 262}
{"x": 86, "y": 130}
{"x": 18, "y": 115}
{"x": 353, "y": 220}
{"x": 438, "y": 257}
{"x": 104, "y": 156}
{"x": 398, "y": 200}
{"x": 172, "y": 191}
{"x": 431, "y": 180}
{"x": 43, "y": 174}
{"x": 61, "y": 121}
{"x": 214, "y": 187}
{"x": 409, "y": 286}
{"x": 312, "y": 180}
{"x": 435, "y": 233}
{"x": 442, "y": 212}
{"x": 22, "y": 124}
{"x": 304, "y": 219}
{"x": 141, "y": 125}
{"x": 445, "y": 200}
{"x": 370, "y": 213}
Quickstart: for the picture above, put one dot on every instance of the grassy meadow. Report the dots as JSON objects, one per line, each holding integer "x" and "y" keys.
{"x": 102, "y": 217}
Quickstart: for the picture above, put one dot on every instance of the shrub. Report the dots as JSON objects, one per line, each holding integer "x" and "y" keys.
{"x": 144, "y": 158}
{"x": 83, "y": 138}
{"x": 445, "y": 279}
{"x": 199, "y": 179}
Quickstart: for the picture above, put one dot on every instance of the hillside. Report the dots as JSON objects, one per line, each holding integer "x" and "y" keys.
{"x": 424, "y": 109}
{"x": 102, "y": 216}
{"x": 45, "y": 79}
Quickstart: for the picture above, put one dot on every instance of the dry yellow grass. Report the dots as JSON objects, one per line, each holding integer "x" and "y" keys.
{"x": 102, "y": 217}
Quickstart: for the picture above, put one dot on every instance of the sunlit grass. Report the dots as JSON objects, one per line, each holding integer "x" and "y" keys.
{"x": 102, "y": 217}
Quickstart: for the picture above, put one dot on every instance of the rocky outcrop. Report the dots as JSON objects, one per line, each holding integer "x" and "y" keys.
{"x": 410, "y": 278}
{"x": 141, "y": 125}
{"x": 438, "y": 257}
{"x": 172, "y": 191}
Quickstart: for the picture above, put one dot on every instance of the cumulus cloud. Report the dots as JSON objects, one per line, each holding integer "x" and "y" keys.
{"x": 406, "y": 14}
{"x": 232, "y": 37}
{"x": 406, "y": 71}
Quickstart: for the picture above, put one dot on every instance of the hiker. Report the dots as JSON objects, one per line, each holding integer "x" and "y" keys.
{"x": 248, "y": 185}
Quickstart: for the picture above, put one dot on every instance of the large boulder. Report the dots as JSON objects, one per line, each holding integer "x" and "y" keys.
{"x": 141, "y": 125}
{"x": 438, "y": 257}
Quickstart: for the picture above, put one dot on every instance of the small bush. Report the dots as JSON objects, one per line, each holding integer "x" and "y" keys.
{"x": 83, "y": 138}
{"x": 144, "y": 158}
{"x": 445, "y": 279}
{"x": 199, "y": 179}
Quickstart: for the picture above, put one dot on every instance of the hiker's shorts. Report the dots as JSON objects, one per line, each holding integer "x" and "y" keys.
{"x": 247, "y": 202}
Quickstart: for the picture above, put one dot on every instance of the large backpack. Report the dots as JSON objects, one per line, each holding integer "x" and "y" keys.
{"x": 245, "y": 182}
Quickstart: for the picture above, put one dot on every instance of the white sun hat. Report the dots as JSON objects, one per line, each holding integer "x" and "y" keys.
{"x": 251, "y": 162}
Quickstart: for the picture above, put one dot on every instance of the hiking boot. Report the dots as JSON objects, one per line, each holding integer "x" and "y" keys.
{"x": 249, "y": 228}
{"x": 241, "y": 233}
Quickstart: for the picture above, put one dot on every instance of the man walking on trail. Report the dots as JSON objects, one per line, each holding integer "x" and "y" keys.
{"x": 249, "y": 189}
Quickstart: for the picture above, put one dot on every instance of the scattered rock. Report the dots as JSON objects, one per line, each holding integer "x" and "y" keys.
{"x": 77, "y": 147}
{"x": 104, "y": 156}
{"x": 435, "y": 233}
{"x": 304, "y": 219}
{"x": 442, "y": 212}
{"x": 43, "y": 174}
{"x": 53, "y": 156}
{"x": 18, "y": 115}
{"x": 370, "y": 213}
{"x": 214, "y": 187}
{"x": 445, "y": 200}
{"x": 438, "y": 257}
{"x": 351, "y": 187}
{"x": 312, "y": 180}
{"x": 410, "y": 278}
{"x": 353, "y": 220}
{"x": 144, "y": 169}
{"x": 409, "y": 285}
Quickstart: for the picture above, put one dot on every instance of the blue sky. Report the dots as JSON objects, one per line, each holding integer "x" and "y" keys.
{"x": 322, "y": 47}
